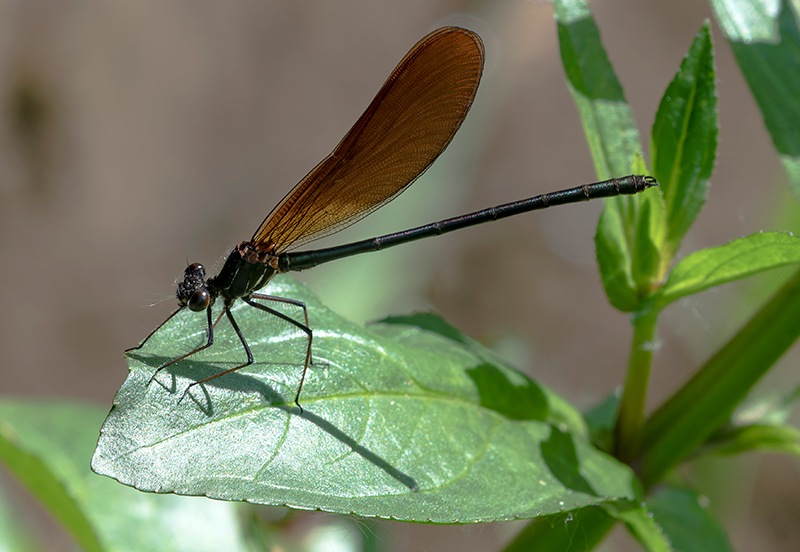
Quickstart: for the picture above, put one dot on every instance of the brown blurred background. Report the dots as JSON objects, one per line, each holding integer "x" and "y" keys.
{"x": 136, "y": 136}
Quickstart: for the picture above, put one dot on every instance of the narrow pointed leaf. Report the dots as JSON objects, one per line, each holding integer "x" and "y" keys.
{"x": 684, "y": 138}
{"x": 397, "y": 423}
{"x": 606, "y": 116}
{"x": 765, "y": 38}
{"x": 738, "y": 259}
{"x": 615, "y": 147}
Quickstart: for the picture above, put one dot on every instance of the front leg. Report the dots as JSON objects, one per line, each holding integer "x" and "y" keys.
{"x": 246, "y": 347}
{"x": 209, "y": 343}
{"x": 304, "y": 327}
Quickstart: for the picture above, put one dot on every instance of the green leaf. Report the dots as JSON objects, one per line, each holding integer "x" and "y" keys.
{"x": 687, "y": 522}
{"x": 614, "y": 258}
{"x": 606, "y": 116}
{"x": 15, "y": 532}
{"x": 755, "y": 438}
{"x": 648, "y": 261}
{"x": 600, "y": 419}
{"x": 514, "y": 400}
{"x": 583, "y": 530}
{"x": 684, "y": 138}
{"x": 642, "y": 526}
{"x": 46, "y": 462}
{"x": 573, "y": 532}
{"x": 627, "y": 244}
{"x": 765, "y": 39}
{"x": 706, "y": 401}
{"x": 398, "y": 423}
{"x": 758, "y": 426}
{"x": 47, "y": 445}
{"x": 738, "y": 259}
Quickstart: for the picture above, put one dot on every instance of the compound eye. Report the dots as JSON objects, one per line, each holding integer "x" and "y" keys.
{"x": 196, "y": 269}
{"x": 199, "y": 300}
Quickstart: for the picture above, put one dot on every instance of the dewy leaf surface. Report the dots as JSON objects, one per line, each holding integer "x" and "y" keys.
{"x": 398, "y": 422}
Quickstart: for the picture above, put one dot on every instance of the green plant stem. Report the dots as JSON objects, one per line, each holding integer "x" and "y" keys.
{"x": 706, "y": 401}
{"x": 630, "y": 420}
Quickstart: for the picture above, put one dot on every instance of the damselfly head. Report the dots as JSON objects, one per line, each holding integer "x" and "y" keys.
{"x": 192, "y": 291}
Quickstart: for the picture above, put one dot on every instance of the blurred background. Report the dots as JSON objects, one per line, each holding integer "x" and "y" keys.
{"x": 137, "y": 136}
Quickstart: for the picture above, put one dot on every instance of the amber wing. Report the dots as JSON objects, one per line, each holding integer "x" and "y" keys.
{"x": 409, "y": 123}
